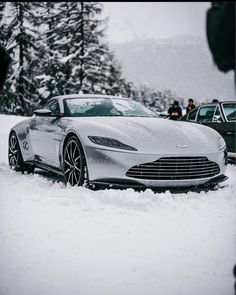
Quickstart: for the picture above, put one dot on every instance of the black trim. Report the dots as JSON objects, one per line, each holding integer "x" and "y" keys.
{"x": 124, "y": 184}
{"x": 231, "y": 160}
{"x": 118, "y": 183}
{"x": 46, "y": 167}
{"x": 216, "y": 180}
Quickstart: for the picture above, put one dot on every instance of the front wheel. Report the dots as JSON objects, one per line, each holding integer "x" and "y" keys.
{"x": 15, "y": 158}
{"x": 74, "y": 162}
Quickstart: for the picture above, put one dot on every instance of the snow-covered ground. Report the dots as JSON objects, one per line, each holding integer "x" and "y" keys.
{"x": 57, "y": 240}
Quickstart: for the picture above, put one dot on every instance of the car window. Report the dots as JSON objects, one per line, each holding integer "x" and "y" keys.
{"x": 53, "y": 106}
{"x": 230, "y": 111}
{"x": 192, "y": 115}
{"x": 95, "y": 107}
{"x": 206, "y": 113}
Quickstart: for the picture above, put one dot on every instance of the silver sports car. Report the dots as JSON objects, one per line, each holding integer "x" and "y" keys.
{"x": 99, "y": 139}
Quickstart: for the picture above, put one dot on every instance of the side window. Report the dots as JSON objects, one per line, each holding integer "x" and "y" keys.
{"x": 230, "y": 111}
{"x": 53, "y": 106}
{"x": 192, "y": 115}
{"x": 205, "y": 114}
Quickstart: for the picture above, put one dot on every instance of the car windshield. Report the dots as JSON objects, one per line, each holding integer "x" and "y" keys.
{"x": 99, "y": 107}
{"x": 230, "y": 111}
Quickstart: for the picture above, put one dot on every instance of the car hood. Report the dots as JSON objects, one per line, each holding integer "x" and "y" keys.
{"x": 150, "y": 135}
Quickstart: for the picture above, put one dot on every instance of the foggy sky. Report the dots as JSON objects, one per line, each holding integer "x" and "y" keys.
{"x": 131, "y": 20}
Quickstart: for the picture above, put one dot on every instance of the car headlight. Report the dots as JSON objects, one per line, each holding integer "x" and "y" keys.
{"x": 111, "y": 142}
{"x": 221, "y": 143}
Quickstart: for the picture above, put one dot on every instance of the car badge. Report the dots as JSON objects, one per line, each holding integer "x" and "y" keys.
{"x": 25, "y": 145}
{"x": 182, "y": 146}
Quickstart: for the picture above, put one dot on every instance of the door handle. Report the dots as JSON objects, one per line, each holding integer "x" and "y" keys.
{"x": 230, "y": 133}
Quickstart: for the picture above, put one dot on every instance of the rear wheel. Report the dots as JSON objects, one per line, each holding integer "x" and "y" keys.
{"x": 74, "y": 162}
{"x": 15, "y": 158}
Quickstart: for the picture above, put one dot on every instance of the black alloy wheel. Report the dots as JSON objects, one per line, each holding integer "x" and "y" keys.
{"x": 74, "y": 162}
{"x": 13, "y": 152}
{"x": 15, "y": 158}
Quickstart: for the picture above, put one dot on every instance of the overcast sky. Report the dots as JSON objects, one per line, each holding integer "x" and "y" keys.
{"x": 130, "y": 20}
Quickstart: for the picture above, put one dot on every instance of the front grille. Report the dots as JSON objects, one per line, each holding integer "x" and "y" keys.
{"x": 175, "y": 168}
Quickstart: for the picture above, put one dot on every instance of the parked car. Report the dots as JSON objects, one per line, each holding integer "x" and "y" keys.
{"x": 97, "y": 139}
{"x": 220, "y": 116}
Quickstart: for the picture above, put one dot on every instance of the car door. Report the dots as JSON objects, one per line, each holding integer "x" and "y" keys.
{"x": 212, "y": 116}
{"x": 217, "y": 122}
{"x": 46, "y": 132}
{"x": 191, "y": 116}
{"x": 228, "y": 127}
{"x": 205, "y": 115}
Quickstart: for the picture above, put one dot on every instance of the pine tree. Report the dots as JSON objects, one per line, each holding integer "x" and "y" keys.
{"x": 99, "y": 70}
{"x": 77, "y": 56}
{"x": 114, "y": 83}
{"x": 2, "y": 25}
{"x": 61, "y": 49}
{"x": 48, "y": 78}
{"x": 88, "y": 49}
{"x": 20, "y": 91}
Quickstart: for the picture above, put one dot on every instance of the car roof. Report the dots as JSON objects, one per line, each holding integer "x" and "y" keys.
{"x": 209, "y": 104}
{"x": 74, "y": 96}
{"x": 216, "y": 103}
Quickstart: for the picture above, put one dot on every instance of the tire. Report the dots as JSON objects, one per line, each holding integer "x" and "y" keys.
{"x": 15, "y": 158}
{"x": 74, "y": 162}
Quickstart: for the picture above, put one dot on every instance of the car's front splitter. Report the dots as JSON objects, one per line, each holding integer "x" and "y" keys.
{"x": 124, "y": 184}
{"x": 108, "y": 166}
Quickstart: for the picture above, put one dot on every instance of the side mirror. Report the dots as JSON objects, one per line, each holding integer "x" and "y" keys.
{"x": 43, "y": 112}
{"x": 217, "y": 119}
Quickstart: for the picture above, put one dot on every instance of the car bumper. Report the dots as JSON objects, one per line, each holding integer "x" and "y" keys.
{"x": 110, "y": 167}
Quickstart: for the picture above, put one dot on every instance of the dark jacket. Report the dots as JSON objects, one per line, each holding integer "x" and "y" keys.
{"x": 175, "y": 112}
{"x": 188, "y": 109}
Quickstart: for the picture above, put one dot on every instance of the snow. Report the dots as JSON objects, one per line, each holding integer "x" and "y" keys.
{"x": 68, "y": 57}
{"x": 59, "y": 240}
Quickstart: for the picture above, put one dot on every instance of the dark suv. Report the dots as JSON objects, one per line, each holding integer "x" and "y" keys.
{"x": 220, "y": 116}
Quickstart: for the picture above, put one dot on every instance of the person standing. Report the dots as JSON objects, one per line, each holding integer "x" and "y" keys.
{"x": 175, "y": 111}
{"x": 190, "y": 105}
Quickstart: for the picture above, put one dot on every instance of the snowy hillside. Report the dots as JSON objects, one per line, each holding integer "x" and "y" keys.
{"x": 57, "y": 240}
{"x": 183, "y": 65}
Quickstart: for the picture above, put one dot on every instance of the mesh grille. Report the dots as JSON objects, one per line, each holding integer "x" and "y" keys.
{"x": 175, "y": 168}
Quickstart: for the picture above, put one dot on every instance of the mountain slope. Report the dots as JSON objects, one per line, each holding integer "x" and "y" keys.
{"x": 183, "y": 65}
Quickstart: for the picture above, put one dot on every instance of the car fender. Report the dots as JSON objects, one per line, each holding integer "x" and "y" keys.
{"x": 22, "y": 133}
